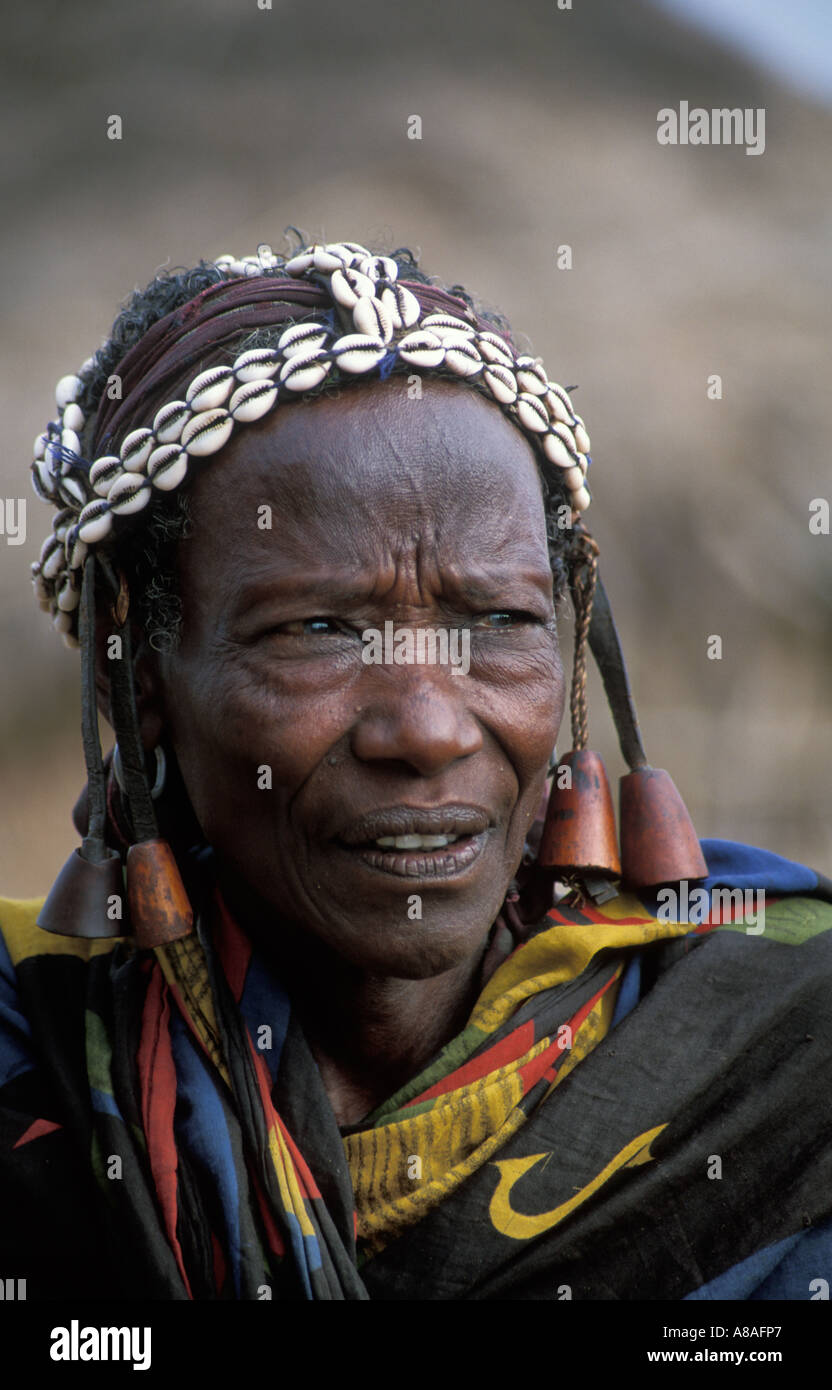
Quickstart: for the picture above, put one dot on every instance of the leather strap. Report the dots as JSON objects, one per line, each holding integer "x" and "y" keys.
{"x": 605, "y": 646}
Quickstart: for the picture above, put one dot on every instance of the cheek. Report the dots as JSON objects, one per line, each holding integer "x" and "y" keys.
{"x": 238, "y": 739}
{"x": 537, "y": 705}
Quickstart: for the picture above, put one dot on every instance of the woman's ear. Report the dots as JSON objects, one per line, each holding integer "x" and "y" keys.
{"x": 146, "y": 676}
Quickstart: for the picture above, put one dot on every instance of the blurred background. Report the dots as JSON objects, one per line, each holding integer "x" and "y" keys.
{"x": 538, "y": 131}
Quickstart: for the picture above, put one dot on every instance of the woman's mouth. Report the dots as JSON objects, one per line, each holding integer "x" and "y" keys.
{"x": 418, "y": 842}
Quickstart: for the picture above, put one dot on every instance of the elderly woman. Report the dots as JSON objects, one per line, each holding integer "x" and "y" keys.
{"x": 320, "y": 1008}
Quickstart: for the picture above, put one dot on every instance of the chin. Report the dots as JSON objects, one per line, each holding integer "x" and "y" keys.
{"x": 419, "y": 950}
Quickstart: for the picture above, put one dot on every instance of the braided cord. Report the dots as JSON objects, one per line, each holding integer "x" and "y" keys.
{"x": 126, "y": 720}
{"x": 584, "y": 574}
{"x": 94, "y": 843}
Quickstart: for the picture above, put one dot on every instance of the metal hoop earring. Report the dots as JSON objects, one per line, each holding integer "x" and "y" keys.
{"x": 161, "y": 771}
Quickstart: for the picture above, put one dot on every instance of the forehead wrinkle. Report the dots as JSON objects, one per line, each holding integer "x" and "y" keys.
{"x": 334, "y": 490}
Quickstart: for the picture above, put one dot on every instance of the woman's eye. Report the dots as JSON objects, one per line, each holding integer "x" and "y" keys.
{"x": 504, "y": 617}
{"x": 310, "y": 627}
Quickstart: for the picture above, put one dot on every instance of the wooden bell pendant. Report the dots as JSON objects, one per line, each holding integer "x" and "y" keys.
{"x": 159, "y": 907}
{"x": 85, "y": 896}
{"x": 579, "y": 830}
{"x": 658, "y": 841}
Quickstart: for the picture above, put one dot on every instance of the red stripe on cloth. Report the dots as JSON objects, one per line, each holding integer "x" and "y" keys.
{"x": 309, "y": 1187}
{"x": 306, "y": 1182}
{"x": 35, "y": 1130}
{"x": 275, "y": 1239}
{"x": 594, "y": 915}
{"x": 234, "y": 950}
{"x": 157, "y": 1088}
{"x": 500, "y": 1055}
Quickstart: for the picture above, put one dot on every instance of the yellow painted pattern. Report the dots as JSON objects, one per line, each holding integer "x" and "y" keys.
{"x": 520, "y": 1226}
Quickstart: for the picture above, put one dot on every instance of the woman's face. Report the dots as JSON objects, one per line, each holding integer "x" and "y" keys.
{"x": 298, "y": 754}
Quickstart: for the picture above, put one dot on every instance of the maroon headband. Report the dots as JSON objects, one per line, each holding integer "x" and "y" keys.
{"x": 219, "y": 313}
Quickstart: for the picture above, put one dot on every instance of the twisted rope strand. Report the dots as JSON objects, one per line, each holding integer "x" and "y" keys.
{"x": 583, "y": 591}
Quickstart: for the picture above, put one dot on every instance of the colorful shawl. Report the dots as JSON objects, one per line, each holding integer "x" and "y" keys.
{"x": 636, "y": 1108}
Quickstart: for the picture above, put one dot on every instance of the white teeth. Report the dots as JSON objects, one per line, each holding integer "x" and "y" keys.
{"x": 415, "y": 841}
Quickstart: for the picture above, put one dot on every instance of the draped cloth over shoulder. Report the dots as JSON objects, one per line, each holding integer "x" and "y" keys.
{"x": 164, "y": 1131}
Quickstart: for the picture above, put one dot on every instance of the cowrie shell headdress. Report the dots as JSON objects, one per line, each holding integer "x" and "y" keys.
{"x": 389, "y": 324}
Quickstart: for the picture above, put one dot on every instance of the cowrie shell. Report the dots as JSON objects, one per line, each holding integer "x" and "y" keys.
{"x": 581, "y": 437}
{"x": 378, "y": 268}
{"x": 167, "y": 467}
{"x": 257, "y": 364}
{"x": 67, "y": 597}
{"x": 437, "y": 323}
{"x": 532, "y": 413}
{"x": 402, "y": 306}
{"x": 564, "y": 432}
{"x": 252, "y": 400}
{"x": 41, "y": 591}
{"x": 297, "y": 265}
{"x": 52, "y": 560}
{"x": 559, "y": 403}
{"x": 421, "y": 349}
{"x": 72, "y": 492}
{"x": 331, "y": 257}
{"x": 42, "y": 480}
{"x": 580, "y": 500}
{"x": 530, "y": 376}
{"x": 95, "y": 521}
{"x": 500, "y": 382}
{"x": 357, "y": 352}
{"x": 67, "y": 390}
{"x": 136, "y": 450}
{"x": 304, "y": 371}
{"x": 76, "y": 550}
{"x": 493, "y": 349}
{"x": 462, "y": 357}
{"x": 73, "y": 418}
{"x": 210, "y": 389}
{"x": 348, "y": 286}
{"x": 169, "y": 422}
{"x": 71, "y": 442}
{"x": 46, "y": 549}
{"x": 62, "y": 622}
{"x": 128, "y": 494}
{"x": 451, "y": 337}
{"x": 39, "y": 446}
{"x": 573, "y": 478}
{"x": 206, "y": 433}
{"x": 372, "y": 318}
{"x": 556, "y": 451}
{"x": 302, "y": 337}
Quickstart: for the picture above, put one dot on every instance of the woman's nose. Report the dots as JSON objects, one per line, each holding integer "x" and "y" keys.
{"x": 417, "y": 716}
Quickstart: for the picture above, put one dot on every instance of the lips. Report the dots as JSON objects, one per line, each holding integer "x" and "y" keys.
{"x": 412, "y": 842}
{"x": 415, "y": 822}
